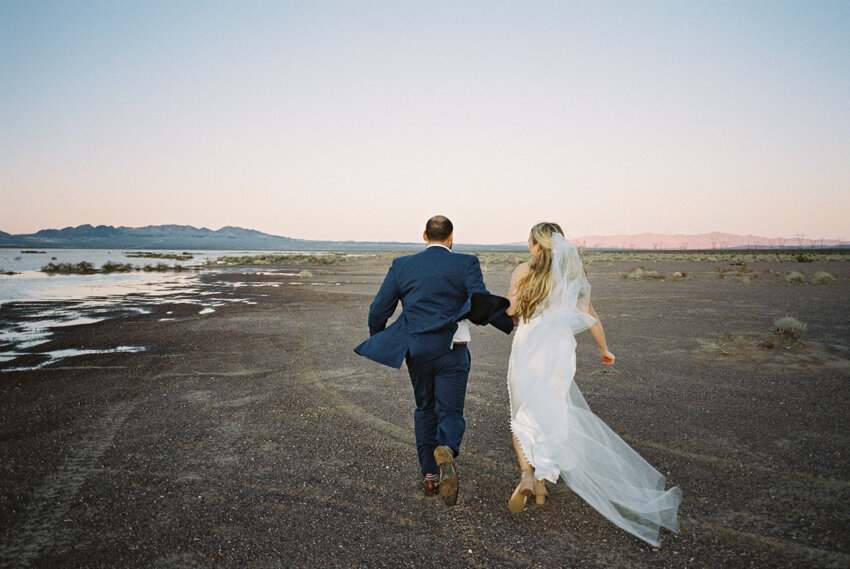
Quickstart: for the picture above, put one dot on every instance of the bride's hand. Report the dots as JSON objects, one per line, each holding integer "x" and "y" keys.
{"x": 607, "y": 357}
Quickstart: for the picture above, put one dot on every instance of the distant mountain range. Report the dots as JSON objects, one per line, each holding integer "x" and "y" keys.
{"x": 173, "y": 237}
{"x": 237, "y": 238}
{"x": 188, "y": 237}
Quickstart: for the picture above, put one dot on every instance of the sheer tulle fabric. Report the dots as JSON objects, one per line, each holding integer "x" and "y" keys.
{"x": 557, "y": 430}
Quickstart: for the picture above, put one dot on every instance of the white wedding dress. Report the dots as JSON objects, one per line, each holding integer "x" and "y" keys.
{"x": 558, "y": 432}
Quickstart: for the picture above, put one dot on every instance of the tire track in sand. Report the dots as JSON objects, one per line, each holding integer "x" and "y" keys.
{"x": 43, "y": 526}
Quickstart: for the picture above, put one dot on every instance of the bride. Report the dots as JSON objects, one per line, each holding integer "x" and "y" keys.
{"x": 555, "y": 434}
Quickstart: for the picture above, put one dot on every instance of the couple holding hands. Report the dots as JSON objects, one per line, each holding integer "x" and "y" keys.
{"x": 555, "y": 434}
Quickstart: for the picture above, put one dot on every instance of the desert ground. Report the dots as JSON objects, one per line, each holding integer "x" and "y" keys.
{"x": 255, "y": 437}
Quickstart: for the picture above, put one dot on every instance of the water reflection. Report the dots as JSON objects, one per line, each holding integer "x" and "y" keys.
{"x": 57, "y": 355}
{"x": 34, "y": 306}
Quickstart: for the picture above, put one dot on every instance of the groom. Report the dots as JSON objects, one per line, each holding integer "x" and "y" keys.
{"x": 438, "y": 290}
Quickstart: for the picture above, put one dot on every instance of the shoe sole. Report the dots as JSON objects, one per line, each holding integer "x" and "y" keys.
{"x": 517, "y": 501}
{"x": 448, "y": 475}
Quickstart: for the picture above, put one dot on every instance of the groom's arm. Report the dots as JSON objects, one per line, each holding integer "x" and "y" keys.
{"x": 384, "y": 304}
{"x": 474, "y": 280}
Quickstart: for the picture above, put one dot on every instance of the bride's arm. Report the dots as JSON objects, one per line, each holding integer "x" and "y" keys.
{"x": 514, "y": 292}
{"x": 599, "y": 335}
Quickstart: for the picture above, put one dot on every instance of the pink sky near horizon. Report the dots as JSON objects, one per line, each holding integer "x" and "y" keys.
{"x": 357, "y": 121}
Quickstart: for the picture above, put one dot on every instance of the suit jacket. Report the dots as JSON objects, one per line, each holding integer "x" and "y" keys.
{"x": 435, "y": 287}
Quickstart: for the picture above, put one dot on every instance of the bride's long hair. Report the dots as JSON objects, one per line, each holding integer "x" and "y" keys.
{"x": 536, "y": 284}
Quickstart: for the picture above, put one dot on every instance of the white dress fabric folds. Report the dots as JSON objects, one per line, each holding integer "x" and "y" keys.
{"x": 559, "y": 433}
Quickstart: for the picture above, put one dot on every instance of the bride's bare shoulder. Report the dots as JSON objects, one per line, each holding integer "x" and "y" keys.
{"x": 520, "y": 271}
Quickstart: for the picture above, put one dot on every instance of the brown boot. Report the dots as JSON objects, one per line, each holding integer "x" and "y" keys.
{"x": 448, "y": 474}
{"x": 430, "y": 484}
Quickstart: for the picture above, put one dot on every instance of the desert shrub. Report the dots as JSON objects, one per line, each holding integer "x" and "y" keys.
{"x": 640, "y": 273}
{"x": 159, "y": 267}
{"x": 722, "y": 343}
{"x": 152, "y": 255}
{"x": 746, "y": 279}
{"x": 822, "y": 277}
{"x": 788, "y": 327}
{"x": 110, "y": 267}
{"x": 82, "y": 268}
{"x": 704, "y": 256}
{"x": 281, "y": 259}
{"x": 305, "y": 274}
{"x": 636, "y": 274}
{"x": 794, "y": 277}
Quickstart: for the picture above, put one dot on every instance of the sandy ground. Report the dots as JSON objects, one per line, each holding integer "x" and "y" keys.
{"x": 255, "y": 437}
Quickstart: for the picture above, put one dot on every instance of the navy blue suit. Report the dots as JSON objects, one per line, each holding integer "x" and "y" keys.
{"x": 435, "y": 288}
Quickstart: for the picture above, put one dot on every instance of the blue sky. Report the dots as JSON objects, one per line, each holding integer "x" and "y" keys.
{"x": 359, "y": 120}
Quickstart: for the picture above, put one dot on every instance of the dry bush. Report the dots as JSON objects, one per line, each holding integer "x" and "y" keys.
{"x": 795, "y": 277}
{"x": 789, "y": 327}
{"x": 330, "y": 258}
{"x": 722, "y": 344}
{"x": 786, "y": 333}
{"x": 640, "y": 273}
{"x": 822, "y": 277}
{"x": 703, "y": 256}
{"x": 305, "y": 274}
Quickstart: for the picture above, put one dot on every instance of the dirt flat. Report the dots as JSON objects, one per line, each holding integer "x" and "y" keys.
{"x": 253, "y": 436}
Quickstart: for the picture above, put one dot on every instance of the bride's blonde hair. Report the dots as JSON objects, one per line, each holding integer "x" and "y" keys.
{"x": 536, "y": 284}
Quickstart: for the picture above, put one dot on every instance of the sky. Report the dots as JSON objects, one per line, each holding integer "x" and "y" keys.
{"x": 358, "y": 120}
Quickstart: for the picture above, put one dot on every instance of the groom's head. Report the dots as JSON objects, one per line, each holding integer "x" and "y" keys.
{"x": 439, "y": 230}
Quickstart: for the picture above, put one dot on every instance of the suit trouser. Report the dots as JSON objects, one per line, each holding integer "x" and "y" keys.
{"x": 439, "y": 388}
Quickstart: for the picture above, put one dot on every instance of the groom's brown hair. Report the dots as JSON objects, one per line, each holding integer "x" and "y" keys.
{"x": 438, "y": 228}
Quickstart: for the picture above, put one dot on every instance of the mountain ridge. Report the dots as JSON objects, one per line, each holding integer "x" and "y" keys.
{"x": 173, "y": 236}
